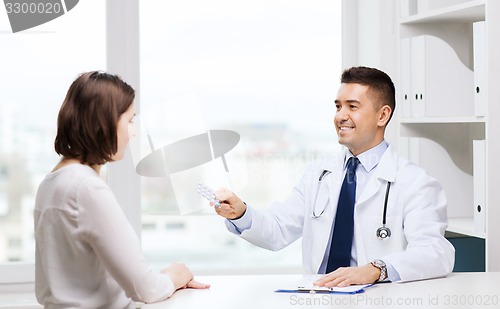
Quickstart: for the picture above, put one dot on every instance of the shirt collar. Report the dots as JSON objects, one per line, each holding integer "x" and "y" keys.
{"x": 370, "y": 158}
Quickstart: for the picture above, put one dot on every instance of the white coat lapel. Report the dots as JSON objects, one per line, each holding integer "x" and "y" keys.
{"x": 385, "y": 171}
{"x": 329, "y": 194}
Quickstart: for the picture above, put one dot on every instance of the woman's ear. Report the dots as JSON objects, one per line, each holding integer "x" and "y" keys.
{"x": 384, "y": 115}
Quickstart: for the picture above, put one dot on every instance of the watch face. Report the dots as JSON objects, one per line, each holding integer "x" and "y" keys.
{"x": 380, "y": 263}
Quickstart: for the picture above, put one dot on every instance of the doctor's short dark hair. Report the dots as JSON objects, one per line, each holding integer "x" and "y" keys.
{"x": 380, "y": 84}
{"x": 88, "y": 118}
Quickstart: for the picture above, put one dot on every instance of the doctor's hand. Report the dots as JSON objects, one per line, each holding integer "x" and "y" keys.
{"x": 231, "y": 206}
{"x": 345, "y": 276}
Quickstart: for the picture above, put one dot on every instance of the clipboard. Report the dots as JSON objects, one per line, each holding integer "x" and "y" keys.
{"x": 305, "y": 285}
{"x": 352, "y": 289}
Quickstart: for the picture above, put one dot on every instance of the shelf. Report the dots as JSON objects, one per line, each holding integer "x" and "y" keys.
{"x": 441, "y": 135}
{"x": 471, "y": 11}
{"x": 464, "y": 226}
{"x": 426, "y": 120}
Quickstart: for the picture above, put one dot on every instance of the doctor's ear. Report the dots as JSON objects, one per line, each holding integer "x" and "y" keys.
{"x": 384, "y": 115}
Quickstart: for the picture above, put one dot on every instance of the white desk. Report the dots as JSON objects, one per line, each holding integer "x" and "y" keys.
{"x": 19, "y": 300}
{"x": 458, "y": 290}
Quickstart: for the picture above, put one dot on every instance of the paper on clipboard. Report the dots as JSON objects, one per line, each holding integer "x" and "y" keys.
{"x": 352, "y": 289}
{"x": 305, "y": 285}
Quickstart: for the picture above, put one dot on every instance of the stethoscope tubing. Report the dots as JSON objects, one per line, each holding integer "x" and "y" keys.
{"x": 323, "y": 174}
{"x": 384, "y": 218}
{"x": 382, "y": 232}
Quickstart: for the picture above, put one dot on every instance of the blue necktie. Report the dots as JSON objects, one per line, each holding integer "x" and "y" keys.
{"x": 340, "y": 248}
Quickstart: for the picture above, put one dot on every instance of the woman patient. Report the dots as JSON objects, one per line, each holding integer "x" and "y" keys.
{"x": 87, "y": 254}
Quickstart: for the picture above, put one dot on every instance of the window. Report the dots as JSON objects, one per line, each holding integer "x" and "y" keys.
{"x": 38, "y": 65}
{"x": 268, "y": 70}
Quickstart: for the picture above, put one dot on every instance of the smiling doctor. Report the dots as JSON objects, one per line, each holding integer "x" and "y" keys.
{"x": 366, "y": 215}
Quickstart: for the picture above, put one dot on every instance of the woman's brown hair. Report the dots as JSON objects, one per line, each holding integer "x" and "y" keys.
{"x": 87, "y": 120}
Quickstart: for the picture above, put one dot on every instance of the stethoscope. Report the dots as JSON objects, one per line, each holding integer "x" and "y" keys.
{"x": 383, "y": 232}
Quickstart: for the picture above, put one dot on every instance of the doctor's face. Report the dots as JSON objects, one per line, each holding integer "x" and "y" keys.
{"x": 359, "y": 121}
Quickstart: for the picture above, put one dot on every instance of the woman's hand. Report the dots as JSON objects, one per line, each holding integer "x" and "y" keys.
{"x": 182, "y": 277}
{"x": 197, "y": 285}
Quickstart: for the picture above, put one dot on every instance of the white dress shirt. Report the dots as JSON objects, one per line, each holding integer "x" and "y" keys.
{"x": 87, "y": 254}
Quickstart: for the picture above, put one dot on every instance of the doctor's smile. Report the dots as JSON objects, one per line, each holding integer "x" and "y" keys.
{"x": 346, "y": 128}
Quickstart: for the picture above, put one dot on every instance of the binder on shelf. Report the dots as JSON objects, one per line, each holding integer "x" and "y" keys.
{"x": 441, "y": 84}
{"x": 479, "y": 170}
{"x": 417, "y": 76}
{"x": 406, "y": 77}
{"x": 479, "y": 68}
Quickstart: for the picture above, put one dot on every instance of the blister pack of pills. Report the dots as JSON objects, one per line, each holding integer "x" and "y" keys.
{"x": 207, "y": 193}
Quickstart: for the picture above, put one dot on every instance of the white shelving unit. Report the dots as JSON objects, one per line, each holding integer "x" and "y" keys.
{"x": 439, "y": 133}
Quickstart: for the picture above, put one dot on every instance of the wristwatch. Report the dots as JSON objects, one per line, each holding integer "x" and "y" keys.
{"x": 383, "y": 269}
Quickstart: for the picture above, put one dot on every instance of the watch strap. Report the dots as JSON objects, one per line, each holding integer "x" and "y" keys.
{"x": 383, "y": 269}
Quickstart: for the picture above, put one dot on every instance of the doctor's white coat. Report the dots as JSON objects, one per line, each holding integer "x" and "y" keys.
{"x": 416, "y": 215}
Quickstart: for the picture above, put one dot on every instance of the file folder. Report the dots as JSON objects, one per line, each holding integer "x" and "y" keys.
{"x": 435, "y": 91}
{"x": 479, "y": 68}
{"x": 417, "y": 76}
{"x": 406, "y": 77}
{"x": 479, "y": 170}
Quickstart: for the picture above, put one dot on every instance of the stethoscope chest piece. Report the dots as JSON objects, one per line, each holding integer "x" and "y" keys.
{"x": 383, "y": 232}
